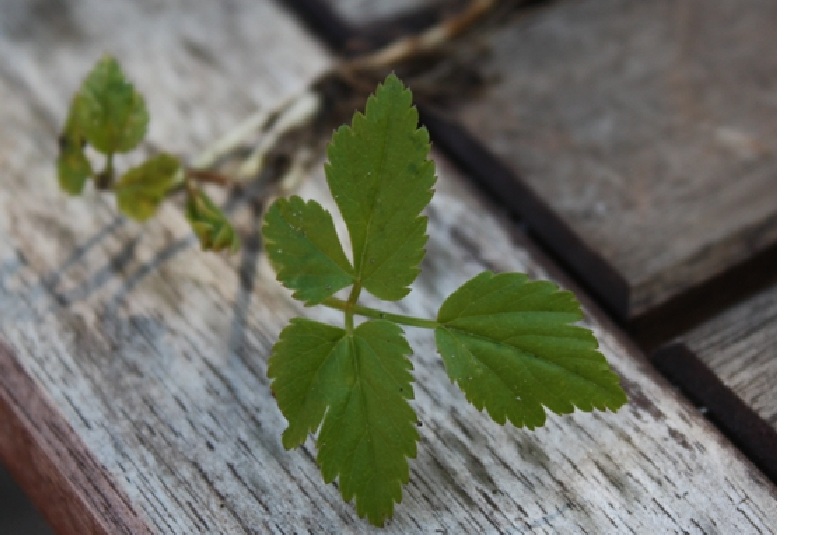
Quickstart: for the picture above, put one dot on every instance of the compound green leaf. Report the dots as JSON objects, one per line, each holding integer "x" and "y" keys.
{"x": 381, "y": 179}
{"x": 305, "y": 251}
{"x": 109, "y": 112}
{"x": 209, "y": 223}
{"x": 511, "y": 346}
{"x": 356, "y": 386}
{"x": 141, "y": 189}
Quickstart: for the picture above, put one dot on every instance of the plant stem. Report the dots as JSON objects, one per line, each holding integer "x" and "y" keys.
{"x": 105, "y": 179}
{"x": 350, "y": 305}
{"x": 207, "y": 176}
{"x": 354, "y": 308}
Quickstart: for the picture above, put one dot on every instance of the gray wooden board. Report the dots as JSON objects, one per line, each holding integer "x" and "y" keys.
{"x": 740, "y": 346}
{"x": 154, "y": 352}
{"x": 648, "y": 127}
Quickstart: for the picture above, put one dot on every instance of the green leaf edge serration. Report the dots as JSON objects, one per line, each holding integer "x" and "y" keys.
{"x": 512, "y": 347}
{"x": 355, "y": 386}
{"x": 381, "y": 179}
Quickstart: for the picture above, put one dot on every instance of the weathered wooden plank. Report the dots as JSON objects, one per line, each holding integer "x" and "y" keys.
{"x": 154, "y": 352}
{"x": 740, "y": 346}
{"x": 647, "y": 128}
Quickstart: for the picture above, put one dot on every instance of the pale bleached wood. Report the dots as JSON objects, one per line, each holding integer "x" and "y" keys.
{"x": 155, "y": 353}
{"x": 740, "y": 346}
{"x": 649, "y": 128}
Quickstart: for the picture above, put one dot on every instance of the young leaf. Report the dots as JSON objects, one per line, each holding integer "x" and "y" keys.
{"x": 73, "y": 169}
{"x": 510, "y": 345}
{"x": 381, "y": 179}
{"x": 109, "y": 112}
{"x": 214, "y": 231}
{"x": 357, "y": 383}
{"x": 304, "y": 249}
{"x": 141, "y": 189}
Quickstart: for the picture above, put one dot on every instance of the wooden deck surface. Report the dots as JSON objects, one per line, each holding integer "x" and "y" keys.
{"x": 133, "y": 396}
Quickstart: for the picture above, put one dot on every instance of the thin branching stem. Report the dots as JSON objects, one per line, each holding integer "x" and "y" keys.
{"x": 354, "y": 308}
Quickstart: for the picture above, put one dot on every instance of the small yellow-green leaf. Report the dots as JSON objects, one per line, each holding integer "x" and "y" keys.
{"x": 108, "y": 111}
{"x": 73, "y": 168}
{"x": 213, "y": 229}
{"x": 141, "y": 189}
{"x": 72, "y": 135}
{"x": 511, "y": 346}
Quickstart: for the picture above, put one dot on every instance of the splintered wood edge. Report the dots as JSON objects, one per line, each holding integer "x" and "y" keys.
{"x": 74, "y": 492}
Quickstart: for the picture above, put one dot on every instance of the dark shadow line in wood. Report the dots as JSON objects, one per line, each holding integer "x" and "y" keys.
{"x": 251, "y": 248}
{"x": 97, "y": 280}
{"x": 542, "y": 223}
{"x": 755, "y": 437}
{"x": 50, "y": 281}
{"x": 81, "y": 250}
{"x": 235, "y": 198}
{"x": 49, "y": 461}
{"x": 705, "y": 300}
{"x": 322, "y": 21}
{"x": 163, "y": 255}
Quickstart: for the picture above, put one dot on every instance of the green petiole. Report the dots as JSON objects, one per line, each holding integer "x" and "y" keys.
{"x": 351, "y": 308}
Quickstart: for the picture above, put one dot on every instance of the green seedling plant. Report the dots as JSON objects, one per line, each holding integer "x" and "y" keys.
{"x": 511, "y": 344}
{"x": 108, "y": 114}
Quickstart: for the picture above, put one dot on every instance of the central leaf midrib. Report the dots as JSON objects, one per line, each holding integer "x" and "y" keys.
{"x": 380, "y": 176}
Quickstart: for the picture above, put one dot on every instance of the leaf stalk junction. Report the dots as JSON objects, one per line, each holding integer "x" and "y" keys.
{"x": 350, "y": 307}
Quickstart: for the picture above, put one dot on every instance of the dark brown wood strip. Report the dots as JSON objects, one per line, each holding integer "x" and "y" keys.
{"x": 61, "y": 476}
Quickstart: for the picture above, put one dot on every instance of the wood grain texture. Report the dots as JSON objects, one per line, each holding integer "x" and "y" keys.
{"x": 649, "y": 128}
{"x": 740, "y": 346}
{"x": 154, "y": 353}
